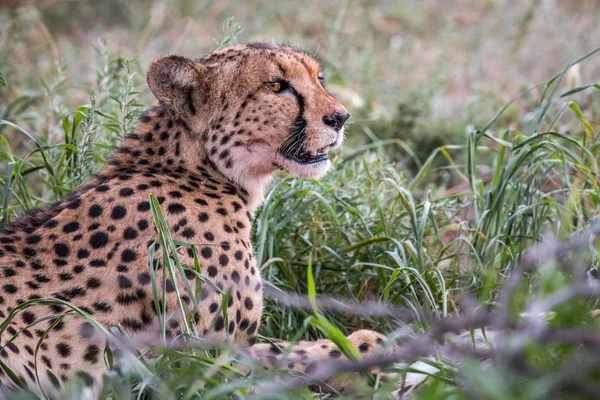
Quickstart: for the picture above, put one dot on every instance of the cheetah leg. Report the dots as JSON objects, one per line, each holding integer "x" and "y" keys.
{"x": 305, "y": 356}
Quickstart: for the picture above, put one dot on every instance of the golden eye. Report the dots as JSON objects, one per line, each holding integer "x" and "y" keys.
{"x": 275, "y": 86}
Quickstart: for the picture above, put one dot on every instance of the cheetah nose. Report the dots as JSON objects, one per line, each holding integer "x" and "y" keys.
{"x": 336, "y": 120}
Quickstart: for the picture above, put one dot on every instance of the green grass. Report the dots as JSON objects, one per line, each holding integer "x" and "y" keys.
{"x": 440, "y": 232}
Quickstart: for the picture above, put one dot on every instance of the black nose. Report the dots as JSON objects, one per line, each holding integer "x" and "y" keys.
{"x": 336, "y": 120}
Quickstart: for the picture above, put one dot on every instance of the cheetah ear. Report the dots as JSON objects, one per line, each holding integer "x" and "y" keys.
{"x": 174, "y": 81}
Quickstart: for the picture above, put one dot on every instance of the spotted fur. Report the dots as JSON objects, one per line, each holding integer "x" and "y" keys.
{"x": 207, "y": 152}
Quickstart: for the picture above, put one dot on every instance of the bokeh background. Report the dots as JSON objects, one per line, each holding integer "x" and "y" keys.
{"x": 425, "y": 69}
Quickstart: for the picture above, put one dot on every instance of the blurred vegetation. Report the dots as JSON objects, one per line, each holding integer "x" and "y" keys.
{"x": 436, "y": 195}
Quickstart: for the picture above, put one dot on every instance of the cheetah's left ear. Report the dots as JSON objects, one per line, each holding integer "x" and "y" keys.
{"x": 174, "y": 81}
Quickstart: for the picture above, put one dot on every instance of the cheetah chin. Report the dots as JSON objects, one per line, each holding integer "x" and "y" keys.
{"x": 305, "y": 165}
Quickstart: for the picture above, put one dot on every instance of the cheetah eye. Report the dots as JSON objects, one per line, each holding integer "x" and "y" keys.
{"x": 276, "y": 85}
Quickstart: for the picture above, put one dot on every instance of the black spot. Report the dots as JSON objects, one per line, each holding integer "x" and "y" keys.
{"x": 91, "y": 354}
{"x": 143, "y": 206}
{"x": 238, "y": 255}
{"x": 146, "y": 318}
{"x": 102, "y": 188}
{"x": 33, "y": 285}
{"x": 73, "y": 292}
{"x": 8, "y": 272}
{"x": 10, "y": 288}
{"x": 71, "y": 227}
{"x": 128, "y": 255}
{"x": 169, "y": 286}
{"x": 53, "y": 379}
{"x": 118, "y": 212}
{"x": 130, "y": 233}
{"x": 73, "y": 205}
{"x": 213, "y": 307}
{"x": 57, "y": 308}
{"x": 219, "y": 324}
{"x": 176, "y": 208}
{"x": 335, "y": 354}
{"x": 83, "y": 253}
{"x": 59, "y": 262}
{"x": 142, "y": 224}
{"x": 94, "y": 283}
{"x": 212, "y": 271}
{"x": 97, "y": 263}
{"x": 98, "y": 240}
{"x": 206, "y": 252}
{"x": 252, "y": 328}
{"x": 248, "y": 303}
{"x": 51, "y": 223}
{"x": 222, "y": 211}
{"x": 28, "y": 317}
{"x": 203, "y": 217}
{"x": 47, "y": 362}
{"x": 235, "y": 276}
{"x": 124, "y": 282}
{"x": 132, "y": 324}
{"x": 102, "y": 306}
{"x": 364, "y": 347}
{"x": 33, "y": 239}
{"x": 95, "y": 211}
{"x": 61, "y": 249}
{"x": 189, "y": 274}
{"x": 188, "y": 233}
{"x": 127, "y": 299}
{"x": 78, "y": 269}
{"x": 126, "y": 192}
{"x": 144, "y": 278}
{"x": 209, "y": 236}
{"x": 63, "y": 349}
{"x": 223, "y": 260}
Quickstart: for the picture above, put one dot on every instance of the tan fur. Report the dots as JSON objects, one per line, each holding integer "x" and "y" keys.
{"x": 207, "y": 153}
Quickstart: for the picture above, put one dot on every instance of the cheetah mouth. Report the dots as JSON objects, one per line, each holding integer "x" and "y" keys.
{"x": 310, "y": 157}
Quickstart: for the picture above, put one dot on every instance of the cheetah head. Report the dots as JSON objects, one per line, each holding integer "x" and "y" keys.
{"x": 255, "y": 109}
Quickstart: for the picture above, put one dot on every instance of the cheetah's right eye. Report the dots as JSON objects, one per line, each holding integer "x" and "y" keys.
{"x": 275, "y": 86}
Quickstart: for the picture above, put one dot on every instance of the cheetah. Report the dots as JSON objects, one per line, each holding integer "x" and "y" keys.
{"x": 224, "y": 124}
